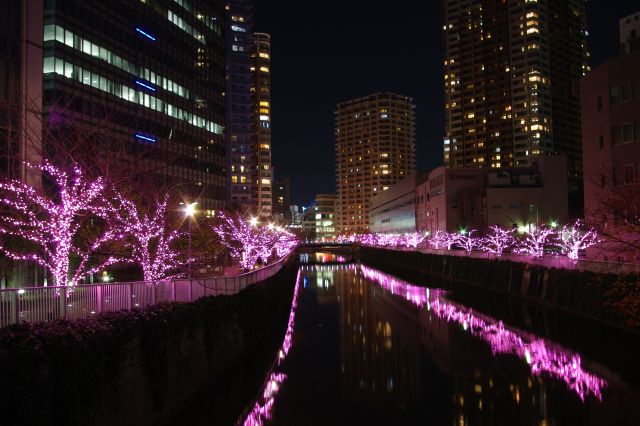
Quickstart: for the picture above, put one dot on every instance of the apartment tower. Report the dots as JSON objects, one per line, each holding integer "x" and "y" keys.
{"x": 512, "y": 72}
{"x": 262, "y": 173}
{"x": 375, "y": 148}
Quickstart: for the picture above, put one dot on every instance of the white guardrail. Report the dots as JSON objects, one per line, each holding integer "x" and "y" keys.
{"x": 36, "y": 304}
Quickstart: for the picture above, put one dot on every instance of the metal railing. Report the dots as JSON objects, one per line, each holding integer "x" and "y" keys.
{"x": 35, "y": 304}
{"x": 549, "y": 261}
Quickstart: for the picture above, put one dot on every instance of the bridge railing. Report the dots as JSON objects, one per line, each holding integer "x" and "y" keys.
{"x": 36, "y": 304}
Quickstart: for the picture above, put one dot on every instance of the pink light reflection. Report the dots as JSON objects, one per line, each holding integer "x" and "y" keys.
{"x": 264, "y": 406}
{"x": 561, "y": 364}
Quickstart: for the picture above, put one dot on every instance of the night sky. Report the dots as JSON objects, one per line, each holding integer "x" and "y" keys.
{"x": 327, "y": 52}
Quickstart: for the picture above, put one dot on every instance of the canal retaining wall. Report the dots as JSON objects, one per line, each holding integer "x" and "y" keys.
{"x": 135, "y": 367}
{"x": 611, "y": 298}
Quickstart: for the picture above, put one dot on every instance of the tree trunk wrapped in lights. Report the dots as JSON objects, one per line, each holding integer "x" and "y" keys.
{"x": 247, "y": 241}
{"x": 149, "y": 237}
{"x": 55, "y": 225}
{"x": 497, "y": 240}
{"x": 536, "y": 240}
{"x": 573, "y": 239}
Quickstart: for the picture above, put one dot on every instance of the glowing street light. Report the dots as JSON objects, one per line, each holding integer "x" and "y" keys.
{"x": 253, "y": 221}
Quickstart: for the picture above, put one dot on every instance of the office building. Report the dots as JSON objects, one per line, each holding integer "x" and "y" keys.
{"x": 375, "y": 148}
{"x": 452, "y": 199}
{"x": 512, "y": 72}
{"x": 155, "y": 68}
{"x": 611, "y": 147}
{"x": 282, "y": 201}
{"x": 394, "y": 211}
{"x": 319, "y": 220}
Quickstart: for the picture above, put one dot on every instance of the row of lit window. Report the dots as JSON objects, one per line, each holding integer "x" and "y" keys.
{"x": 62, "y": 35}
{"x": 210, "y": 22}
{"x": 185, "y": 26}
{"x": 84, "y": 76}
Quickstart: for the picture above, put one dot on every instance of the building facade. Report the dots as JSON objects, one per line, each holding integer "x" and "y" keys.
{"x": 319, "y": 220}
{"x": 375, "y": 148}
{"x": 156, "y": 70}
{"x": 611, "y": 147}
{"x": 452, "y": 199}
{"x": 262, "y": 172}
{"x": 394, "y": 211}
{"x": 248, "y": 100}
{"x": 282, "y": 201}
{"x": 512, "y": 72}
{"x": 240, "y": 103}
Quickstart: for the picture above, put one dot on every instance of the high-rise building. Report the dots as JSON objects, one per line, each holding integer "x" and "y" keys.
{"x": 240, "y": 103}
{"x": 512, "y": 71}
{"x": 248, "y": 62}
{"x": 375, "y": 148}
{"x": 156, "y": 68}
{"x": 262, "y": 173}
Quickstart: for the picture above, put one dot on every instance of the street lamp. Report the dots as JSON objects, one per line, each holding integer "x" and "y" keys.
{"x": 190, "y": 211}
{"x": 253, "y": 221}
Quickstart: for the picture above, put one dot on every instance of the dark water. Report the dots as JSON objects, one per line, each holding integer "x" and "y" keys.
{"x": 369, "y": 349}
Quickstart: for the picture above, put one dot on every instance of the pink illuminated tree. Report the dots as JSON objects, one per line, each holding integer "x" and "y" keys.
{"x": 467, "y": 240}
{"x": 247, "y": 241}
{"x": 148, "y": 236}
{"x": 497, "y": 240}
{"x": 57, "y": 225}
{"x": 239, "y": 236}
{"x": 413, "y": 239}
{"x": 536, "y": 240}
{"x": 438, "y": 239}
{"x": 574, "y": 238}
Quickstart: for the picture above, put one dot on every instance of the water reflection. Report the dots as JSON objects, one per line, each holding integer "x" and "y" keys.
{"x": 539, "y": 355}
{"x": 322, "y": 258}
{"x": 263, "y": 407}
{"x": 408, "y": 355}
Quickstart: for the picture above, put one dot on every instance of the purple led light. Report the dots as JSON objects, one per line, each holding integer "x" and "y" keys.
{"x": 557, "y": 362}
{"x": 151, "y": 239}
{"x": 247, "y": 241}
{"x": 52, "y": 223}
{"x": 263, "y": 408}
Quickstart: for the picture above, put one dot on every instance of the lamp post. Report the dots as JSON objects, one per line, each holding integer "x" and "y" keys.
{"x": 190, "y": 211}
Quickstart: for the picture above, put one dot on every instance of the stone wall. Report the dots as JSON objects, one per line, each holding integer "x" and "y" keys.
{"x": 608, "y": 297}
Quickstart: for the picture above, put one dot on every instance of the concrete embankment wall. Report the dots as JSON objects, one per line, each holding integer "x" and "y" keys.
{"x": 611, "y": 298}
{"x": 135, "y": 367}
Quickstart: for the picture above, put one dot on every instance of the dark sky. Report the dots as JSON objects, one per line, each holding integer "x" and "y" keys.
{"x": 331, "y": 51}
